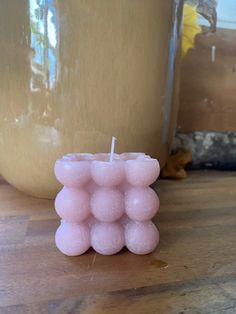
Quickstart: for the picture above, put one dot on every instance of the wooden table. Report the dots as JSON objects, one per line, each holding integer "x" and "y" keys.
{"x": 193, "y": 269}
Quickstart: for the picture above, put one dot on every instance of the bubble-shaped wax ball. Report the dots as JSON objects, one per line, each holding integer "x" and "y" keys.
{"x": 108, "y": 174}
{"x": 141, "y": 204}
{"x": 107, "y": 204}
{"x": 73, "y": 170}
{"x": 107, "y": 238}
{"x": 141, "y": 237}
{"x": 73, "y": 205}
{"x": 142, "y": 172}
{"x": 72, "y": 239}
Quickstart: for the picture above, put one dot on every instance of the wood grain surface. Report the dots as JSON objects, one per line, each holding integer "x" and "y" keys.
{"x": 192, "y": 271}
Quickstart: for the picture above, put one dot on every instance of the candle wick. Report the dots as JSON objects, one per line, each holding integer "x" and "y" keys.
{"x": 213, "y": 54}
{"x": 113, "y": 142}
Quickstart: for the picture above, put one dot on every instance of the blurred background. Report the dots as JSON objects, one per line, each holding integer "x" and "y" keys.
{"x": 207, "y": 112}
{"x": 158, "y": 75}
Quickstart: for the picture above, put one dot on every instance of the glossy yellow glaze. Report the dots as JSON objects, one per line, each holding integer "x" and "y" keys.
{"x": 75, "y": 73}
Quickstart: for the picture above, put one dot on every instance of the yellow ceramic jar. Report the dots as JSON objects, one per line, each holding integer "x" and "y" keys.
{"x": 76, "y": 72}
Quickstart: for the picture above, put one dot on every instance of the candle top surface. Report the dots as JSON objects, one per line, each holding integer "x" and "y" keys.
{"x": 78, "y": 169}
{"x": 105, "y": 157}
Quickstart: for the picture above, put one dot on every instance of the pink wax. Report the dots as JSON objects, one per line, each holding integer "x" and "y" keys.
{"x": 72, "y": 239}
{"x": 73, "y": 205}
{"x": 91, "y": 187}
{"x": 142, "y": 171}
{"x": 91, "y": 221}
{"x": 141, "y": 237}
{"x": 105, "y": 173}
{"x": 106, "y": 203}
{"x": 107, "y": 238}
{"x": 73, "y": 170}
{"x": 124, "y": 220}
{"x": 141, "y": 204}
{"x": 131, "y": 156}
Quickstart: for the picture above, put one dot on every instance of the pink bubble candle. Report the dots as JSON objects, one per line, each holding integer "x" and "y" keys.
{"x": 106, "y": 203}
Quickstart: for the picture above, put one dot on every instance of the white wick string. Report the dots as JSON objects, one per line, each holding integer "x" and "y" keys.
{"x": 113, "y": 142}
{"x": 213, "y": 54}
